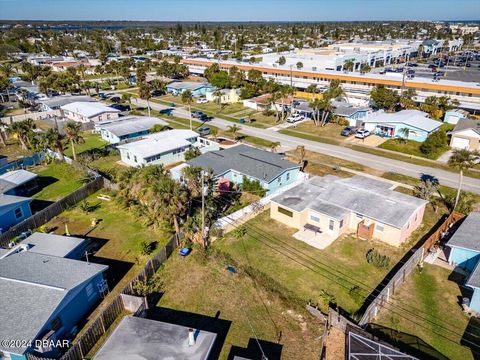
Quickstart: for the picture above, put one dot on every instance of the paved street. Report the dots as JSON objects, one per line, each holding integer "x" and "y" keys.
{"x": 376, "y": 162}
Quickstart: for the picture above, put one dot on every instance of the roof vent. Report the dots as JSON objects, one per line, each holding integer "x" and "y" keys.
{"x": 191, "y": 337}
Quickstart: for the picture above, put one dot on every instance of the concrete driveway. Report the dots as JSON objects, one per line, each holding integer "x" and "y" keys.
{"x": 372, "y": 140}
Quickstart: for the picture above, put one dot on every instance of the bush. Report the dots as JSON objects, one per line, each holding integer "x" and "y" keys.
{"x": 378, "y": 260}
{"x": 147, "y": 248}
{"x": 327, "y": 299}
{"x": 343, "y": 122}
{"x": 253, "y": 186}
{"x": 356, "y": 294}
{"x": 268, "y": 112}
{"x": 191, "y": 153}
{"x": 435, "y": 144}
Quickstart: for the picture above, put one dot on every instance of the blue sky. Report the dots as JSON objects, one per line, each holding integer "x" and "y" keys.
{"x": 240, "y": 10}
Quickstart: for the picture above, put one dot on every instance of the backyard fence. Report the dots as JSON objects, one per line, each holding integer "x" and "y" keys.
{"x": 42, "y": 217}
{"x": 100, "y": 325}
{"x": 400, "y": 276}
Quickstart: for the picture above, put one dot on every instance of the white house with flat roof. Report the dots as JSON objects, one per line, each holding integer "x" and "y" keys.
{"x": 128, "y": 128}
{"x": 164, "y": 148}
{"x": 86, "y": 112}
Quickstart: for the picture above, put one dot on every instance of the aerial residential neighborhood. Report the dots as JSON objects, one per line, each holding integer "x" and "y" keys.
{"x": 253, "y": 180}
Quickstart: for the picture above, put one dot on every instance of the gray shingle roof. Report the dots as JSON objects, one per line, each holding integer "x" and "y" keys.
{"x": 51, "y": 244}
{"x": 31, "y": 305}
{"x": 467, "y": 124}
{"x": 247, "y": 160}
{"x": 137, "y": 338}
{"x": 369, "y": 197}
{"x": 474, "y": 278}
{"x": 133, "y": 125}
{"x": 467, "y": 235}
{"x": 47, "y": 270}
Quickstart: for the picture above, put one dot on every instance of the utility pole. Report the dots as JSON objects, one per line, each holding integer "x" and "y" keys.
{"x": 203, "y": 211}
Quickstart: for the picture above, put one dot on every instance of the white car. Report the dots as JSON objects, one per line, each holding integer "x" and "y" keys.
{"x": 202, "y": 101}
{"x": 295, "y": 118}
{"x": 362, "y": 134}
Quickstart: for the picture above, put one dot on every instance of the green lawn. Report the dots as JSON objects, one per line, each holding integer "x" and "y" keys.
{"x": 329, "y": 131}
{"x": 202, "y": 285}
{"x": 432, "y": 295}
{"x": 409, "y": 147}
{"x": 307, "y": 136}
{"x": 107, "y": 164}
{"x": 269, "y": 247}
{"x": 92, "y": 141}
{"x": 57, "y": 179}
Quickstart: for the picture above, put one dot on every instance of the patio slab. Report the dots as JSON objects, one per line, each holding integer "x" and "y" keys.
{"x": 318, "y": 240}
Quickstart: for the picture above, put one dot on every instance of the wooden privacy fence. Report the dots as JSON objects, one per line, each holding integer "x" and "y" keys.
{"x": 400, "y": 276}
{"x": 100, "y": 325}
{"x": 45, "y": 215}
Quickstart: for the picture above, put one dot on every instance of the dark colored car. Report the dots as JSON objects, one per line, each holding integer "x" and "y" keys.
{"x": 166, "y": 111}
{"x": 158, "y": 93}
{"x": 412, "y": 64}
{"x": 349, "y": 130}
{"x": 205, "y": 118}
{"x": 121, "y": 107}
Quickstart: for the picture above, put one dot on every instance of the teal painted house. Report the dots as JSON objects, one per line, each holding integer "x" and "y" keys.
{"x": 197, "y": 89}
{"x": 13, "y": 209}
{"x": 465, "y": 253}
{"x": 47, "y": 301}
{"x": 128, "y": 128}
{"x": 233, "y": 164}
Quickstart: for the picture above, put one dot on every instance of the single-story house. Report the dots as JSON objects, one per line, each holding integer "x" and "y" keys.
{"x": 465, "y": 253}
{"x": 233, "y": 164}
{"x": 165, "y": 148}
{"x": 69, "y": 247}
{"x": 354, "y": 114}
{"x": 13, "y": 209}
{"x": 128, "y": 128}
{"x": 452, "y": 116}
{"x": 41, "y": 300}
{"x": 466, "y": 135}
{"x": 263, "y": 102}
{"x": 139, "y": 338}
{"x": 390, "y": 125}
{"x": 198, "y": 89}
{"x": 334, "y": 206}
{"x": 18, "y": 182}
{"x": 85, "y": 112}
{"x": 228, "y": 96}
{"x": 55, "y": 103}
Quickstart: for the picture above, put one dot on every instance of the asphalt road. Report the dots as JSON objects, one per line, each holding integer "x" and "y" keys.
{"x": 446, "y": 178}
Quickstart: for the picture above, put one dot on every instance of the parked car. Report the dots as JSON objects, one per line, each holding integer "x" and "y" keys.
{"x": 204, "y": 131}
{"x": 432, "y": 66}
{"x": 399, "y": 70}
{"x": 158, "y": 93}
{"x": 362, "y": 134}
{"x": 349, "y": 130}
{"x": 295, "y": 118}
{"x": 202, "y": 101}
{"x": 412, "y": 64}
{"x": 121, "y": 107}
{"x": 197, "y": 114}
{"x": 166, "y": 111}
{"x": 410, "y": 71}
{"x": 205, "y": 118}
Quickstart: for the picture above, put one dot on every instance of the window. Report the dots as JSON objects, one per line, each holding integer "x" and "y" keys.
{"x": 90, "y": 292}
{"x": 128, "y": 156}
{"x": 285, "y": 212}
{"x": 379, "y": 227}
{"x": 56, "y": 324}
{"x": 279, "y": 180}
{"x": 341, "y": 223}
{"x": 416, "y": 217}
{"x": 135, "y": 158}
{"x": 314, "y": 218}
{"x": 331, "y": 224}
{"x": 18, "y": 213}
{"x": 288, "y": 176}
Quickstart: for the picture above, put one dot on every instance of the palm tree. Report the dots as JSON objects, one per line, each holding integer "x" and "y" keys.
{"x": 234, "y": 129}
{"x": 73, "y": 134}
{"x": 214, "y": 133}
{"x": 274, "y": 146}
{"x": 218, "y": 98}
{"x": 462, "y": 159}
{"x": 53, "y": 139}
{"x": 348, "y": 65}
{"x": 187, "y": 98}
{"x": 21, "y": 130}
{"x": 405, "y": 132}
{"x": 301, "y": 153}
{"x": 145, "y": 93}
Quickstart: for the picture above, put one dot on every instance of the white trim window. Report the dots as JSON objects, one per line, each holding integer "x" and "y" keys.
{"x": 331, "y": 225}
{"x": 379, "y": 227}
{"x": 314, "y": 218}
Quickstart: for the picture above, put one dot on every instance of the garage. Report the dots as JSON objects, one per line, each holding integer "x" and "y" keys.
{"x": 460, "y": 143}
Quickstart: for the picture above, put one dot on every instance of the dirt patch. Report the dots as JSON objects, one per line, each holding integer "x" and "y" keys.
{"x": 335, "y": 344}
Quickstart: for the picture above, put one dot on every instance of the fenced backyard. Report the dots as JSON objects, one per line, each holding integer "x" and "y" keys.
{"x": 101, "y": 324}
{"x": 399, "y": 277}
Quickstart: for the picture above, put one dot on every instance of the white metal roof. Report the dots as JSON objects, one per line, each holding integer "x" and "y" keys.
{"x": 414, "y": 118}
{"x": 88, "y": 109}
{"x": 18, "y": 177}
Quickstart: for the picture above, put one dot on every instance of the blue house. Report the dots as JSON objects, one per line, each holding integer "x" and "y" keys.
{"x": 197, "y": 89}
{"x": 392, "y": 125}
{"x": 128, "y": 128}
{"x": 41, "y": 300}
{"x": 465, "y": 253}
{"x": 452, "y": 116}
{"x": 18, "y": 182}
{"x": 13, "y": 209}
{"x": 233, "y": 164}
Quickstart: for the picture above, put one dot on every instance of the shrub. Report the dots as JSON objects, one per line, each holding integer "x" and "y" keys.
{"x": 147, "y": 248}
{"x": 356, "y": 294}
{"x": 435, "y": 144}
{"x": 378, "y": 260}
{"x": 326, "y": 299}
{"x": 253, "y": 186}
{"x": 343, "y": 122}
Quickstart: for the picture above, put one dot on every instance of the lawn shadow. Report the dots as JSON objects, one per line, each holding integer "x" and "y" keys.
{"x": 43, "y": 182}
{"x": 195, "y": 321}
{"x": 471, "y": 337}
{"x": 407, "y": 343}
{"x": 38, "y": 205}
{"x": 271, "y": 351}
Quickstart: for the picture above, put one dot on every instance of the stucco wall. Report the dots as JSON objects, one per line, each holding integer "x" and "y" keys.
{"x": 466, "y": 259}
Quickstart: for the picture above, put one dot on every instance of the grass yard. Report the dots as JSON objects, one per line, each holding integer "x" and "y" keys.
{"x": 329, "y": 131}
{"x": 409, "y": 147}
{"x": 269, "y": 247}
{"x": 57, "y": 180}
{"x": 107, "y": 164}
{"x": 307, "y": 136}
{"x": 434, "y": 296}
{"x": 14, "y": 150}
{"x": 92, "y": 141}
{"x": 240, "y": 300}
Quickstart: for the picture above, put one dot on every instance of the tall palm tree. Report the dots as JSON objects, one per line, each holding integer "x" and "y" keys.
{"x": 301, "y": 153}
{"x": 21, "y": 130}
{"x": 54, "y": 140}
{"x": 73, "y": 134}
{"x": 462, "y": 159}
{"x": 218, "y": 98}
{"x": 405, "y": 132}
{"x": 234, "y": 129}
{"x": 145, "y": 93}
{"x": 187, "y": 98}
